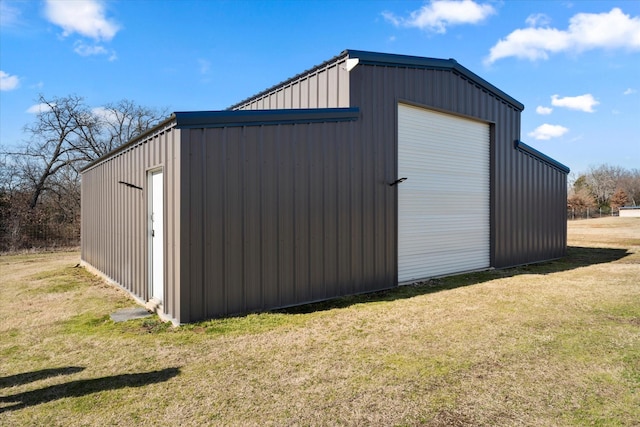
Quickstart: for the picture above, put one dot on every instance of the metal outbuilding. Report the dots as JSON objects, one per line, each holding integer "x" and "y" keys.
{"x": 298, "y": 194}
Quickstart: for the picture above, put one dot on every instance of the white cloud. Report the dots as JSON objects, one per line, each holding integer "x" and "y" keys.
{"x": 543, "y": 110}
{"x": 88, "y": 50}
{"x": 84, "y": 49}
{"x": 39, "y": 108}
{"x": 8, "y": 82}
{"x": 106, "y": 114}
{"x": 584, "y": 102}
{"x": 547, "y": 131}
{"x": 612, "y": 30}
{"x": 437, "y": 15}
{"x": 538, "y": 20}
{"x": 9, "y": 15}
{"x": 85, "y": 17}
{"x": 629, "y": 91}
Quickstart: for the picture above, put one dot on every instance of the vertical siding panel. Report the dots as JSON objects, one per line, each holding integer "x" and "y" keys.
{"x": 344, "y": 210}
{"x": 527, "y": 218}
{"x": 214, "y": 223}
{"x": 317, "y": 211}
{"x": 269, "y": 213}
{"x": 364, "y": 222}
{"x": 386, "y": 130}
{"x": 286, "y": 146}
{"x": 322, "y": 90}
{"x": 234, "y": 239}
{"x": 295, "y": 95}
{"x": 519, "y": 228}
{"x": 170, "y": 223}
{"x": 331, "y": 193}
{"x": 126, "y": 223}
{"x": 343, "y": 87}
{"x": 280, "y": 103}
{"x": 313, "y": 91}
{"x": 178, "y": 304}
{"x": 332, "y": 86}
{"x": 197, "y": 171}
{"x": 287, "y": 97}
{"x": 304, "y": 94}
{"x": 301, "y": 214}
{"x": 252, "y": 218}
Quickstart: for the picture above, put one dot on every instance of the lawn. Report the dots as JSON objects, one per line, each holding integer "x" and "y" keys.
{"x": 552, "y": 344}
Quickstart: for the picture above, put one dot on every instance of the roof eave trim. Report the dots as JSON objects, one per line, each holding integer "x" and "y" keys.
{"x": 226, "y": 118}
{"x": 519, "y": 145}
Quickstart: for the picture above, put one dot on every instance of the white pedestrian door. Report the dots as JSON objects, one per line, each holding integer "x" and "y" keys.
{"x": 443, "y": 206}
{"x": 156, "y": 230}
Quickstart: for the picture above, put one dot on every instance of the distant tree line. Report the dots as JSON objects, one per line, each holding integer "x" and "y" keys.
{"x": 40, "y": 176}
{"x": 604, "y": 188}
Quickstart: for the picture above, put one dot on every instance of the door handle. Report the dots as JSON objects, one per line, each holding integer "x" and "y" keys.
{"x": 397, "y": 181}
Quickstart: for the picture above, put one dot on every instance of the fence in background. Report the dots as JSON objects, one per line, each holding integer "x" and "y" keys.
{"x": 592, "y": 213}
{"x": 39, "y": 236}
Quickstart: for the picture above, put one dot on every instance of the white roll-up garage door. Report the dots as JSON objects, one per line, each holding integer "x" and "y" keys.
{"x": 443, "y": 206}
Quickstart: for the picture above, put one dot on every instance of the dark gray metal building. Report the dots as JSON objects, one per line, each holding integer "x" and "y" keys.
{"x": 295, "y": 194}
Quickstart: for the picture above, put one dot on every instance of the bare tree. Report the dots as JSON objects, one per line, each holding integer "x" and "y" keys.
{"x": 603, "y": 181}
{"x": 122, "y": 121}
{"x": 40, "y": 180}
{"x": 67, "y": 134}
{"x": 55, "y": 142}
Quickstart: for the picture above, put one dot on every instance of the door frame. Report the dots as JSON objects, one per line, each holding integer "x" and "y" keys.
{"x": 448, "y": 115}
{"x": 152, "y": 255}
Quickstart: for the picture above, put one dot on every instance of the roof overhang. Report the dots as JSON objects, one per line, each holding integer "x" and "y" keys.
{"x": 226, "y": 118}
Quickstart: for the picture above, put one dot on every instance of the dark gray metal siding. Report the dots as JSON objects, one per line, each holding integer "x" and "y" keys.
{"x": 279, "y": 215}
{"x": 531, "y": 222}
{"x": 527, "y": 224}
{"x": 324, "y": 86}
{"x": 114, "y": 215}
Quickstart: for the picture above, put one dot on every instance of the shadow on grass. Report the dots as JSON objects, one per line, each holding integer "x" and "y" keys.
{"x": 28, "y": 377}
{"x": 84, "y": 387}
{"x": 576, "y": 257}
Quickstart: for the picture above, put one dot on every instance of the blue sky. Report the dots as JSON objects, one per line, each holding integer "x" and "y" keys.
{"x": 575, "y": 65}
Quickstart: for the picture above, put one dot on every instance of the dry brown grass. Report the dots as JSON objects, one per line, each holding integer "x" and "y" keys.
{"x": 546, "y": 345}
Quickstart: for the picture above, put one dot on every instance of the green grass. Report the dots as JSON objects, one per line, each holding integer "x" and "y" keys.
{"x": 554, "y": 344}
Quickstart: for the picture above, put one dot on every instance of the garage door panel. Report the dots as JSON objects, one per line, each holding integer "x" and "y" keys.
{"x": 443, "y": 207}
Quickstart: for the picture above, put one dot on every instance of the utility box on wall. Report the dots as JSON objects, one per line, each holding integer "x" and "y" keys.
{"x": 295, "y": 194}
